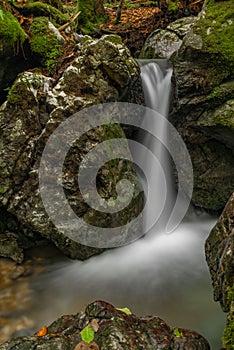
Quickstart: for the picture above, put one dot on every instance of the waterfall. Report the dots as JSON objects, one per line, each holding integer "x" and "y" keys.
{"x": 156, "y": 83}
{"x": 163, "y": 275}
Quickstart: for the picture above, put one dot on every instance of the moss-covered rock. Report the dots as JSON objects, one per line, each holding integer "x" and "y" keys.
{"x": 203, "y": 108}
{"x": 112, "y": 329}
{"x": 12, "y": 37}
{"x": 216, "y": 29}
{"x": 44, "y": 43}
{"x": 39, "y": 9}
{"x": 220, "y": 258}
{"x": 10, "y": 29}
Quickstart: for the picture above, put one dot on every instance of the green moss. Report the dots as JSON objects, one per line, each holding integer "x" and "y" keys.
{"x": 10, "y": 29}
{"x": 44, "y": 43}
{"x": 216, "y": 30}
{"x": 115, "y": 39}
{"x": 88, "y": 19}
{"x": 41, "y": 9}
{"x": 172, "y": 6}
{"x": 225, "y": 117}
{"x": 13, "y": 96}
{"x": 221, "y": 93}
{"x": 178, "y": 333}
{"x": 229, "y": 330}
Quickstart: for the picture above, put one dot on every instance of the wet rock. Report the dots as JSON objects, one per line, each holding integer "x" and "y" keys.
{"x": 203, "y": 108}
{"x": 220, "y": 258}
{"x": 114, "y": 329}
{"x": 9, "y": 247}
{"x": 102, "y": 71}
{"x": 162, "y": 43}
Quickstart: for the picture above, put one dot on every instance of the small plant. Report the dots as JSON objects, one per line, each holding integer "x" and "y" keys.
{"x": 177, "y": 333}
{"x": 125, "y": 310}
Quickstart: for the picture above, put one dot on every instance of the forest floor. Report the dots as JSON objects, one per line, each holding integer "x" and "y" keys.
{"x": 141, "y": 18}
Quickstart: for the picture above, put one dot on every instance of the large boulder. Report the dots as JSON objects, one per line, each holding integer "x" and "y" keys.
{"x": 112, "y": 329}
{"x": 203, "y": 102}
{"x": 162, "y": 43}
{"x": 101, "y": 72}
{"x": 220, "y": 258}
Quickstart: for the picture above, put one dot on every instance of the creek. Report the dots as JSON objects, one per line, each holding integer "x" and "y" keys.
{"x": 161, "y": 274}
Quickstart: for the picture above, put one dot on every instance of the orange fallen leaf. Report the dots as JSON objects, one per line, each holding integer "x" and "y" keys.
{"x": 42, "y": 331}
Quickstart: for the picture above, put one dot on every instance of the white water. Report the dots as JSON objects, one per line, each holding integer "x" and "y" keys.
{"x": 164, "y": 275}
{"x": 156, "y": 84}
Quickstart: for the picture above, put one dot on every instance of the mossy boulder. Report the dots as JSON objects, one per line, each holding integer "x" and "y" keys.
{"x": 112, "y": 328}
{"x": 203, "y": 107}
{"x": 12, "y": 37}
{"x": 10, "y": 29}
{"x": 220, "y": 258}
{"x": 35, "y": 107}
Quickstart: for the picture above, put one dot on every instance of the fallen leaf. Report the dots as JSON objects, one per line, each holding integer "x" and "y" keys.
{"x": 94, "y": 324}
{"x": 42, "y": 331}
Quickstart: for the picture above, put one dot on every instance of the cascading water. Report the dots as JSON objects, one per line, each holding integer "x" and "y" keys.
{"x": 164, "y": 275}
{"x": 156, "y": 83}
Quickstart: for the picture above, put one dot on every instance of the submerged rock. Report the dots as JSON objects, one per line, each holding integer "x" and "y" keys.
{"x": 113, "y": 329}
{"x": 203, "y": 106}
{"x": 102, "y": 71}
{"x": 220, "y": 259}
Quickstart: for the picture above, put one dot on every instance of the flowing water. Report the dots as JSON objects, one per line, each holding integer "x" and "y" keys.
{"x": 164, "y": 275}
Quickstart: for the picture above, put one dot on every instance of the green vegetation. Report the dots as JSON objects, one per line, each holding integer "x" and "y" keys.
{"x": 37, "y": 8}
{"x": 216, "y": 30}
{"x": 172, "y": 6}
{"x": 10, "y": 29}
{"x": 229, "y": 330}
{"x": 225, "y": 116}
{"x": 89, "y": 17}
{"x": 125, "y": 310}
{"x": 44, "y": 43}
{"x": 177, "y": 333}
{"x": 87, "y": 334}
{"x": 221, "y": 93}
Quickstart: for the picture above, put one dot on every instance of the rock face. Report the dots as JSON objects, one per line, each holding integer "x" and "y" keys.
{"x": 220, "y": 259}
{"x": 101, "y": 72}
{"x": 114, "y": 329}
{"x": 162, "y": 43}
{"x": 203, "y": 108}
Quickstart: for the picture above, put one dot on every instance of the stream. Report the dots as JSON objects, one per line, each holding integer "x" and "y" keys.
{"x": 160, "y": 274}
